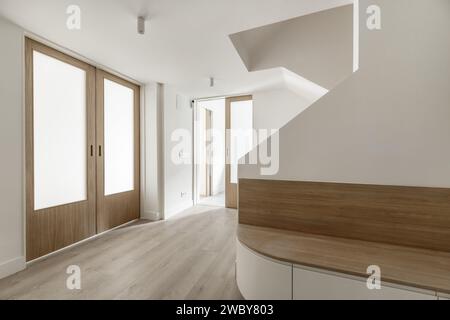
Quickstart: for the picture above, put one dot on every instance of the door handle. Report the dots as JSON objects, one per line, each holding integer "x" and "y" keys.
{"x": 92, "y": 150}
{"x": 99, "y": 151}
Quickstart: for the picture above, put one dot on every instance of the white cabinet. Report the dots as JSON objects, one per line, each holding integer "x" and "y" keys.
{"x": 309, "y": 284}
{"x": 261, "y": 278}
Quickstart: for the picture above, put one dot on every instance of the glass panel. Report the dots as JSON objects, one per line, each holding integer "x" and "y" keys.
{"x": 60, "y": 141}
{"x": 119, "y": 138}
{"x": 241, "y": 141}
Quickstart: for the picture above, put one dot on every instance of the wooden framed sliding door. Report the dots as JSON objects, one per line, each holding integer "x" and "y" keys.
{"x": 118, "y": 174}
{"x": 60, "y": 142}
{"x": 82, "y": 150}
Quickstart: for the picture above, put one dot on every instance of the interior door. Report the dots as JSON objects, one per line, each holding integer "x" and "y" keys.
{"x": 118, "y": 182}
{"x": 239, "y": 141}
{"x": 60, "y": 141}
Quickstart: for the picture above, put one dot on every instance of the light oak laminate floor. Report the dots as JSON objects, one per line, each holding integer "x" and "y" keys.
{"x": 191, "y": 256}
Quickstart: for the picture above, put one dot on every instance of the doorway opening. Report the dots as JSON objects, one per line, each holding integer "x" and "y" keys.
{"x": 223, "y": 135}
{"x": 210, "y": 152}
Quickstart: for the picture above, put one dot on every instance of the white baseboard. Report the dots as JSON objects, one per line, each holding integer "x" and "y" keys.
{"x": 179, "y": 208}
{"x": 11, "y": 267}
{"x": 151, "y": 215}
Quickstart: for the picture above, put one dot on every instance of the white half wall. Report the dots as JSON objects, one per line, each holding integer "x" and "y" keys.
{"x": 389, "y": 122}
{"x": 12, "y": 145}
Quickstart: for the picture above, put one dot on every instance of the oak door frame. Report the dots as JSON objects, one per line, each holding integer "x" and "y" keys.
{"x": 54, "y": 228}
{"x": 231, "y": 189}
{"x": 117, "y": 209}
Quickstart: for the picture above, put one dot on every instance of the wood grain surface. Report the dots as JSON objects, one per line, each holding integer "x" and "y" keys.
{"x": 408, "y": 216}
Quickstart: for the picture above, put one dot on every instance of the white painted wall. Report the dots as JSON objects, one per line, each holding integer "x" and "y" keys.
{"x": 389, "y": 122}
{"x": 151, "y": 155}
{"x": 177, "y": 177}
{"x": 12, "y": 146}
{"x": 273, "y": 108}
{"x": 200, "y": 151}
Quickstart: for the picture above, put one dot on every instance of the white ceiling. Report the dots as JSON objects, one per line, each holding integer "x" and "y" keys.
{"x": 186, "y": 41}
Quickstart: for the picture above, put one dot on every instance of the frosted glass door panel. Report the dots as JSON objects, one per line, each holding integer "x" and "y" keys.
{"x": 241, "y": 134}
{"x": 119, "y": 138}
{"x": 59, "y": 127}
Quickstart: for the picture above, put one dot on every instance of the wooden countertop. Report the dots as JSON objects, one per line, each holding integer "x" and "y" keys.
{"x": 420, "y": 268}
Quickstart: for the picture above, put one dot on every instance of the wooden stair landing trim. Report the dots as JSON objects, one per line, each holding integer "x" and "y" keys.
{"x": 405, "y": 216}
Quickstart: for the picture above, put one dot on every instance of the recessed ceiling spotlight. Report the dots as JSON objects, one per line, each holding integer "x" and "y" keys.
{"x": 141, "y": 25}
